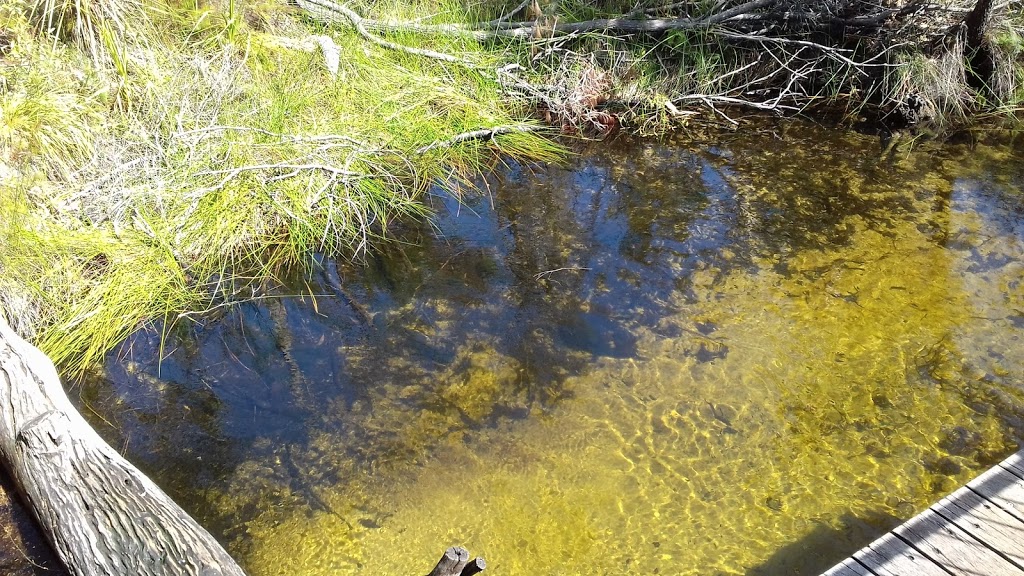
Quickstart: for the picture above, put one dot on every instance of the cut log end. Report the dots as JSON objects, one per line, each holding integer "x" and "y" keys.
{"x": 456, "y": 562}
{"x": 474, "y": 566}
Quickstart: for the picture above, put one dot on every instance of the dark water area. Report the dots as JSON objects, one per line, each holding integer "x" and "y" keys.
{"x": 746, "y": 356}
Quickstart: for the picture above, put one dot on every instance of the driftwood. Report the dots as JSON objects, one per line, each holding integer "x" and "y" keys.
{"x": 101, "y": 514}
{"x": 783, "y": 16}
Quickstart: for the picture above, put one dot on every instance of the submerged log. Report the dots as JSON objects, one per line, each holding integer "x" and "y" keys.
{"x": 101, "y": 514}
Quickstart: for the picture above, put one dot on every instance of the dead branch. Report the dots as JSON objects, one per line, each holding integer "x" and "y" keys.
{"x": 487, "y": 133}
{"x": 360, "y": 24}
{"x": 808, "y": 52}
{"x": 829, "y": 51}
{"x": 282, "y": 136}
{"x": 334, "y": 13}
{"x": 328, "y": 11}
{"x": 330, "y": 50}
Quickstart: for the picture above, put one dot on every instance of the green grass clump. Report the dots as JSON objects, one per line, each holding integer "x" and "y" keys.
{"x": 80, "y": 290}
{"x": 156, "y": 166}
{"x": 97, "y": 27}
{"x": 1008, "y": 56}
{"x": 48, "y": 114}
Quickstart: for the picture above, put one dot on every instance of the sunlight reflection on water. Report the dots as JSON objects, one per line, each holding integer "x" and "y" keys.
{"x": 750, "y": 359}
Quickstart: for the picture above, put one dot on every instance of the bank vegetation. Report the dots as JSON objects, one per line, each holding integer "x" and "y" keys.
{"x": 162, "y": 160}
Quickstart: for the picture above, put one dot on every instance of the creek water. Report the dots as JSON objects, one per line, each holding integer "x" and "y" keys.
{"x": 745, "y": 356}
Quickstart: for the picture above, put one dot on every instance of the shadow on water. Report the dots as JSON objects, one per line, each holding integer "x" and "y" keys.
{"x": 605, "y": 355}
{"x": 826, "y": 545}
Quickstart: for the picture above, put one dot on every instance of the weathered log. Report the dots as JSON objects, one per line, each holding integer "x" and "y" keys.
{"x": 456, "y": 562}
{"x": 101, "y": 514}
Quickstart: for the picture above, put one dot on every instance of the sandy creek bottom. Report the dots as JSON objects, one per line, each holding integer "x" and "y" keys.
{"x": 749, "y": 357}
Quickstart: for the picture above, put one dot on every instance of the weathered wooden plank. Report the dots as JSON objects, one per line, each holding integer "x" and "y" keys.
{"x": 985, "y": 521}
{"x": 848, "y": 567}
{"x": 1007, "y": 495}
{"x": 979, "y": 529}
{"x": 1015, "y": 464}
{"x": 890, "y": 556}
{"x": 955, "y": 550}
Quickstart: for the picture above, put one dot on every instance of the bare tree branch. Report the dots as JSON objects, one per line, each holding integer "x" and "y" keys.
{"x": 479, "y": 135}
{"x": 360, "y": 24}
{"x": 328, "y": 10}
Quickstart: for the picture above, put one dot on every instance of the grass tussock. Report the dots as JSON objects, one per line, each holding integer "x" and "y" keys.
{"x": 153, "y": 173}
{"x": 100, "y": 28}
{"x": 939, "y": 82}
{"x": 49, "y": 114}
{"x": 1007, "y": 42}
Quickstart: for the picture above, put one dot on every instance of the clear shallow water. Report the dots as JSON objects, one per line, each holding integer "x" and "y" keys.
{"x": 750, "y": 357}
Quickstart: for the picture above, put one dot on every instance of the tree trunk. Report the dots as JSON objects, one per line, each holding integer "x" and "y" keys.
{"x": 101, "y": 514}
{"x": 978, "y": 53}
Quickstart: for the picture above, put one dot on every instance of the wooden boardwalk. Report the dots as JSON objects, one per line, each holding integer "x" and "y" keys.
{"x": 977, "y": 530}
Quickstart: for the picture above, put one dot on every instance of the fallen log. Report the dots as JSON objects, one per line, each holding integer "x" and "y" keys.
{"x": 102, "y": 515}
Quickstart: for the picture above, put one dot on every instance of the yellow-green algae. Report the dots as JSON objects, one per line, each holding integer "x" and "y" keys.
{"x": 836, "y": 394}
